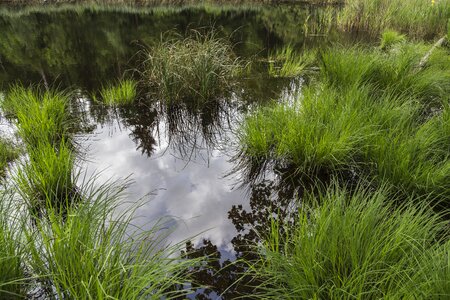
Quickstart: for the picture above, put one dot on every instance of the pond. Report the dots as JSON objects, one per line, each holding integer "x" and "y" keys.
{"x": 181, "y": 159}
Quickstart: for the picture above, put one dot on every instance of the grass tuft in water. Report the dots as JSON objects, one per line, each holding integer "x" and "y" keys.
{"x": 47, "y": 179}
{"x": 198, "y": 68}
{"x": 8, "y": 152}
{"x": 375, "y": 113}
{"x": 122, "y": 93}
{"x": 95, "y": 251}
{"x": 287, "y": 62}
{"x": 355, "y": 245}
{"x": 42, "y": 116}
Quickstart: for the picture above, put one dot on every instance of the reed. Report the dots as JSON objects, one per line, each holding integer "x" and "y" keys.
{"x": 396, "y": 71}
{"x": 373, "y": 113}
{"x": 355, "y": 245}
{"x": 390, "y": 38}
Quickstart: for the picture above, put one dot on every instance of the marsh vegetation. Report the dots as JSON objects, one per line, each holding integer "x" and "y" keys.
{"x": 339, "y": 134}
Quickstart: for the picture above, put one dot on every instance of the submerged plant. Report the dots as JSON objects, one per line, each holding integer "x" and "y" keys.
{"x": 355, "y": 245}
{"x": 197, "y": 68}
{"x": 122, "y": 93}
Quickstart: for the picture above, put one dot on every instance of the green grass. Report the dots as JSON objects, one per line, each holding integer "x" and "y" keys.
{"x": 42, "y": 116}
{"x": 390, "y": 38}
{"x": 374, "y": 113}
{"x": 12, "y": 271}
{"x": 94, "y": 252}
{"x": 122, "y": 93}
{"x": 356, "y": 245}
{"x": 287, "y": 62}
{"x": 198, "y": 68}
{"x": 47, "y": 179}
{"x": 75, "y": 241}
{"x": 419, "y": 18}
{"x": 323, "y": 130}
{"x": 396, "y": 71}
{"x": 8, "y": 152}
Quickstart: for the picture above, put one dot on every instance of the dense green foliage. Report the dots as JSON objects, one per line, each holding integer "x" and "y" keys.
{"x": 356, "y": 245}
{"x": 12, "y": 272}
{"x": 375, "y": 113}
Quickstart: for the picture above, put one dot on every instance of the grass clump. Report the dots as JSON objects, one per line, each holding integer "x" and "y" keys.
{"x": 420, "y": 18}
{"x": 8, "y": 153}
{"x": 122, "y": 93}
{"x": 319, "y": 132}
{"x": 95, "y": 252}
{"x": 287, "y": 62}
{"x": 197, "y": 68}
{"x": 355, "y": 246}
{"x": 389, "y": 38}
{"x": 42, "y": 116}
{"x": 46, "y": 179}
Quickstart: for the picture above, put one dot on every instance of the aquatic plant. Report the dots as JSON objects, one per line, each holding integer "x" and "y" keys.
{"x": 12, "y": 272}
{"x": 374, "y": 113}
{"x": 95, "y": 252}
{"x": 389, "y": 38}
{"x": 42, "y": 116}
{"x": 8, "y": 152}
{"x": 287, "y": 62}
{"x": 418, "y": 18}
{"x": 197, "y": 68}
{"x": 325, "y": 129}
{"x": 122, "y": 93}
{"x": 355, "y": 245}
{"x": 47, "y": 178}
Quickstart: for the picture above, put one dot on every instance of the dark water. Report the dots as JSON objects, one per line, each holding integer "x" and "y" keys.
{"x": 179, "y": 157}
